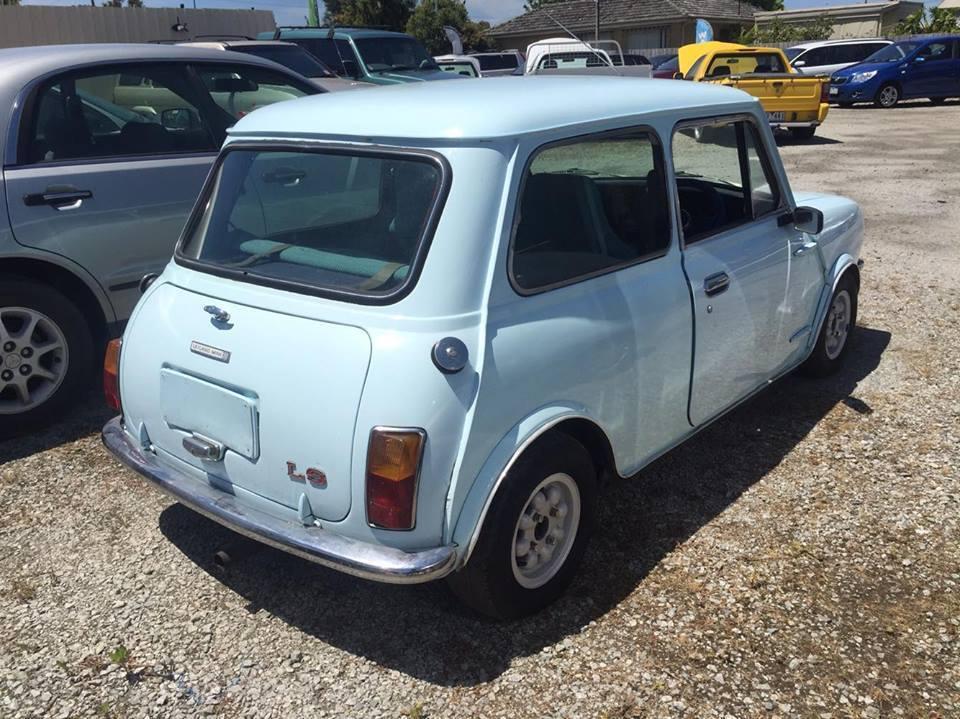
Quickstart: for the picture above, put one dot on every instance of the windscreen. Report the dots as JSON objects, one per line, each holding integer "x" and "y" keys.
{"x": 893, "y": 53}
{"x": 745, "y": 63}
{"x": 381, "y": 54}
{"x": 350, "y": 223}
{"x": 293, "y": 57}
{"x": 503, "y": 61}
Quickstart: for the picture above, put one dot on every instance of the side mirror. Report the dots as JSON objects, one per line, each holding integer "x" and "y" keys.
{"x": 678, "y": 76}
{"x": 808, "y": 219}
{"x": 918, "y": 58}
{"x": 800, "y": 63}
{"x": 179, "y": 118}
{"x": 146, "y": 281}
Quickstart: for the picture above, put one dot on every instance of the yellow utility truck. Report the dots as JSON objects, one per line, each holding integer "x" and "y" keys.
{"x": 792, "y": 101}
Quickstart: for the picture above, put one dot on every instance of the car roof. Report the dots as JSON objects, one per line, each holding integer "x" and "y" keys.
{"x": 227, "y": 44}
{"x": 497, "y": 107}
{"x": 22, "y": 64}
{"x": 354, "y": 32}
{"x": 849, "y": 41}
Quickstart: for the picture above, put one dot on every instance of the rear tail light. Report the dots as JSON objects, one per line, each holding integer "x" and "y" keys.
{"x": 111, "y": 375}
{"x": 825, "y": 91}
{"x": 393, "y": 465}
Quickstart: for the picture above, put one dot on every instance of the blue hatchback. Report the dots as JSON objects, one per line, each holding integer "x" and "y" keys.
{"x": 905, "y": 70}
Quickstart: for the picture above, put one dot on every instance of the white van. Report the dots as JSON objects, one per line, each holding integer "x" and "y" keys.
{"x": 825, "y": 57}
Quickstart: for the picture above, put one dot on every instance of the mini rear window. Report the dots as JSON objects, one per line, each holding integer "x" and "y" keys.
{"x": 343, "y": 223}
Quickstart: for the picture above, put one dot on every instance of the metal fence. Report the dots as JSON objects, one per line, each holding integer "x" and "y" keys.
{"x": 55, "y": 25}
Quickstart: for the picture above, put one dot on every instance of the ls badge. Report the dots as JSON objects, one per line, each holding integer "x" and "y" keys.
{"x": 313, "y": 476}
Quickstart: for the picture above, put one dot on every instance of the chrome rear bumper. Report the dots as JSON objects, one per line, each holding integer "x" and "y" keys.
{"x": 361, "y": 559}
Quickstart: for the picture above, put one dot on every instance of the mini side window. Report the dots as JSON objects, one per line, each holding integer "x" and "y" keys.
{"x": 590, "y": 206}
{"x": 723, "y": 177}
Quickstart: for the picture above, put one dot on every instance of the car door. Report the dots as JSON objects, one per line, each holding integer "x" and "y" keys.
{"x": 110, "y": 162}
{"x": 598, "y": 313}
{"x": 929, "y": 73}
{"x": 753, "y": 297}
{"x": 112, "y": 158}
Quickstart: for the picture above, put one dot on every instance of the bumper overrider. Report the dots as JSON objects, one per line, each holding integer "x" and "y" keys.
{"x": 360, "y": 559}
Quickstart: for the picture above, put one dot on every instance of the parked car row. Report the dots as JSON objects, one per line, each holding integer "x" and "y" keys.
{"x": 881, "y": 71}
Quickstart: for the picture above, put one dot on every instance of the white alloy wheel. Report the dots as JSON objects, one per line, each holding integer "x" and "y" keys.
{"x": 546, "y": 531}
{"x": 33, "y": 359}
{"x": 838, "y": 325}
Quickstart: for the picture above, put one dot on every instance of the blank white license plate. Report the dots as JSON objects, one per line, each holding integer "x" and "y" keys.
{"x": 775, "y": 116}
{"x": 834, "y": 90}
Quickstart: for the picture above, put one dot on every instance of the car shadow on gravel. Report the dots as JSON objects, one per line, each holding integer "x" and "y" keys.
{"x": 86, "y": 417}
{"x": 422, "y": 630}
{"x": 785, "y": 139}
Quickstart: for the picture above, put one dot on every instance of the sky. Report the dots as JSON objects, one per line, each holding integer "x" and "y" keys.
{"x": 293, "y": 12}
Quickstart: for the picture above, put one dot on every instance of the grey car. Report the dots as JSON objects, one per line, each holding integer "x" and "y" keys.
{"x": 104, "y": 149}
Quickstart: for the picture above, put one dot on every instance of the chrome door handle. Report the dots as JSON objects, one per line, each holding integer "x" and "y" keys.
{"x": 804, "y": 247}
{"x": 715, "y": 284}
{"x": 59, "y": 200}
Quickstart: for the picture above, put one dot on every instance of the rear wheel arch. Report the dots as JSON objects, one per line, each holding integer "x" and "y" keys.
{"x": 67, "y": 283}
{"x": 595, "y": 440}
{"x": 567, "y": 423}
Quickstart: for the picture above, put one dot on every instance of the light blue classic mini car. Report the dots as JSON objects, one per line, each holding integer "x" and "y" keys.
{"x": 406, "y": 333}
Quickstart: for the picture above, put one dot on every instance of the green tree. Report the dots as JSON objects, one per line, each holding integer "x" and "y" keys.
{"x": 779, "y": 31}
{"x": 9, "y": 2}
{"x": 390, "y": 14}
{"x": 767, "y": 4}
{"x": 920, "y": 22}
{"x": 427, "y": 21}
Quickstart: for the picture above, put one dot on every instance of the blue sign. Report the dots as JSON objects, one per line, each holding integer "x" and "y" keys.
{"x": 704, "y": 31}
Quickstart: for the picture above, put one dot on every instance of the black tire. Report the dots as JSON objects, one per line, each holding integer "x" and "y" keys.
{"x": 822, "y": 361}
{"x": 488, "y": 583}
{"x": 887, "y": 96}
{"x": 845, "y": 105}
{"x": 64, "y": 315}
{"x": 802, "y": 133}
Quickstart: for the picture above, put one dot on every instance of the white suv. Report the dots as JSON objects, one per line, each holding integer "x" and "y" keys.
{"x": 827, "y": 56}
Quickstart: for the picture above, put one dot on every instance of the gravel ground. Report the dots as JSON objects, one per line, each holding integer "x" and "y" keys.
{"x": 800, "y": 558}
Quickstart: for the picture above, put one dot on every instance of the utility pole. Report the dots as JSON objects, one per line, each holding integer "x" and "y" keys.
{"x": 597, "y": 24}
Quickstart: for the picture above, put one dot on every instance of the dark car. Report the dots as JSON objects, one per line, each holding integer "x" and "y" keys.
{"x": 667, "y": 68}
{"x": 928, "y": 67}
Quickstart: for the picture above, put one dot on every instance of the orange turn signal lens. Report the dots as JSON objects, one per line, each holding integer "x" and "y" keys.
{"x": 393, "y": 464}
{"x": 111, "y": 374}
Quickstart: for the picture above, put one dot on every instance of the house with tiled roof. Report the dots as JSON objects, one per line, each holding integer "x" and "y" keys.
{"x": 635, "y": 24}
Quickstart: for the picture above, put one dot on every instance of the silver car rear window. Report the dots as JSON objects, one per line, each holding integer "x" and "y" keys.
{"x": 352, "y": 224}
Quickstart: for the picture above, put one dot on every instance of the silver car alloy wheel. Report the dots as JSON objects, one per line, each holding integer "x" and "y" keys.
{"x": 838, "y": 325}
{"x": 546, "y": 531}
{"x": 889, "y": 96}
{"x": 33, "y": 359}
